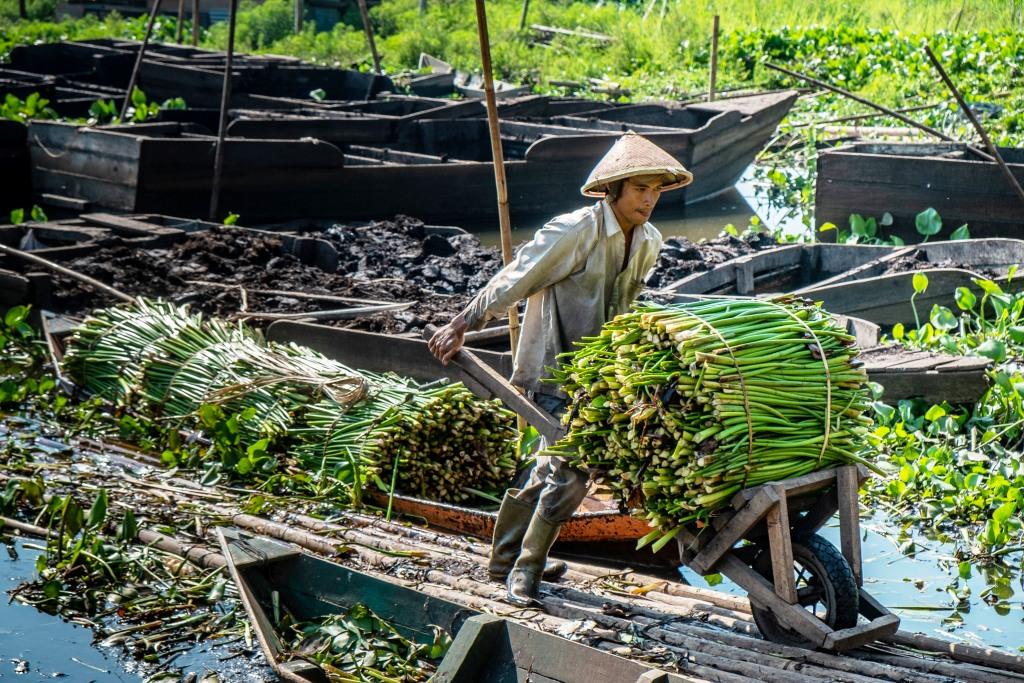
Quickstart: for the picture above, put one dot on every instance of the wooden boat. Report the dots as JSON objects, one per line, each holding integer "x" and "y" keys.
{"x": 904, "y": 179}
{"x": 485, "y": 647}
{"x": 442, "y": 165}
{"x": 15, "y": 190}
{"x": 308, "y": 588}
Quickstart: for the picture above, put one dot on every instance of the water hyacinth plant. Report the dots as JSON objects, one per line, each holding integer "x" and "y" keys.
{"x": 682, "y": 406}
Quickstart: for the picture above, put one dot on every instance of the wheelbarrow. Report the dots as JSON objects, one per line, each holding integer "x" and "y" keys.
{"x": 803, "y": 590}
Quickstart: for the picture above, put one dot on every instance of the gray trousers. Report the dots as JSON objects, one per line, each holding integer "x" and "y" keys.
{"x": 554, "y": 488}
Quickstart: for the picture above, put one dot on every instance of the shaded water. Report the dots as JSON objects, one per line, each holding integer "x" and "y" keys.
{"x": 918, "y": 587}
{"x": 703, "y": 220}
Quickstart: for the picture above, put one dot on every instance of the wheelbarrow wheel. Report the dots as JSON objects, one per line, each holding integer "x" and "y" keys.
{"x": 825, "y": 587}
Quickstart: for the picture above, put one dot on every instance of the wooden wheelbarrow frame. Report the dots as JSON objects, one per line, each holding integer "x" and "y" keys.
{"x": 779, "y": 511}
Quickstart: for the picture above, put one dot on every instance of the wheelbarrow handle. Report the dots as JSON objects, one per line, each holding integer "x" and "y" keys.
{"x": 483, "y": 373}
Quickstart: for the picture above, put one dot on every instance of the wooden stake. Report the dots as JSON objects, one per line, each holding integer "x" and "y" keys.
{"x": 180, "y": 27}
{"x": 368, "y": 30}
{"x": 977, "y": 125}
{"x": 225, "y": 101}
{"x": 40, "y": 261}
{"x": 138, "y": 59}
{"x": 195, "y": 23}
{"x": 300, "y": 10}
{"x": 522, "y": 16}
{"x": 713, "y": 77}
{"x": 494, "y": 126}
{"x": 885, "y": 110}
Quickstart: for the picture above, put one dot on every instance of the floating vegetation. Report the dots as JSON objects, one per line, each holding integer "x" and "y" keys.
{"x": 357, "y": 645}
{"x": 682, "y": 406}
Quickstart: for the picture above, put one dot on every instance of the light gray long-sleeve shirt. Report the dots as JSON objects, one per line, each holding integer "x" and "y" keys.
{"x": 572, "y": 277}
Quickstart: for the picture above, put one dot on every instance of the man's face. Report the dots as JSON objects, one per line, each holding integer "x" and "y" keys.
{"x": 638, "y": 197}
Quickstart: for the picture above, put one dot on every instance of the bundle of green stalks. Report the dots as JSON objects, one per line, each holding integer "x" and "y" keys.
{"x": 679, "y": 407}
{"x": 436, "y": 441}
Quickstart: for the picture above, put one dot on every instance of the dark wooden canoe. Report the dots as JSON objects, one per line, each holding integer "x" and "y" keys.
{"x": 485, "y": 647}
{"x": 309, "y": 588}
{"x": 15, "y": 188}
{"x": 436, "y": 169}
{"x": 904, "y": 179}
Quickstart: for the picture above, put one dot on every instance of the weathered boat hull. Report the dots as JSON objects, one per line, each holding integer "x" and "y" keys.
{"x": 904, "y": 179}
{"x": 15, "y": 189}
{"x": 436, "y": 169}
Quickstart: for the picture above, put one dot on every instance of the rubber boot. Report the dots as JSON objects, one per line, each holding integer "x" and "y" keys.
{"x": 513, "y": 519}
{"x": 523, "y": 581}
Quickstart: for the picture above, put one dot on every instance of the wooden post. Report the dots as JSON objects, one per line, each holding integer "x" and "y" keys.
{"x": 22, "y": 10}
{"x": 423, "y": 7}
{"x": 195, "y": 23}
{"x": 847, "y": 486}
{"x": 493, "y": 125}
{"x": 977, "y": 125}
{"x": 713, "y": 76}
{"x": 781, "y": 547}
{"x": 138, "y": 59}
{"x": 885, "y": 110}
{"x": 225, "y": 101}
{"x": 368, "y": 30}
{"x": 300, "y": 10}
{"x": 522, "y": 16}
{"x": 180, "y": 27}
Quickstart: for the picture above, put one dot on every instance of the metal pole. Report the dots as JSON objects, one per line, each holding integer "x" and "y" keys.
{"x": 138, "y": 59}
{"x": 504, "y": 222}
{"x": 368, "y": 30}
{"x": 180, "y": 28}
{"x": 713, "y": 77}
{"x": 885, "y": 110}
{"x": 225, "y": 100}
{"x": 977, "y": 125}
{"x": 195, "y": 23}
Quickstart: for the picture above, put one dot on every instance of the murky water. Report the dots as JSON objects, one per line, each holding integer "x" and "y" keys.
{"x": 703, "y": 220}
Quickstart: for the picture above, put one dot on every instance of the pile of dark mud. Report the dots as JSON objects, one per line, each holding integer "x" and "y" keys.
{"x": 680, "y": 257}
{"x": 918, "y": 260}
{"x": 386, "y": 261}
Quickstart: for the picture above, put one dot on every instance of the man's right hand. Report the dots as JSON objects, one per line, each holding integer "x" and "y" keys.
{"x": 448, "y": 340}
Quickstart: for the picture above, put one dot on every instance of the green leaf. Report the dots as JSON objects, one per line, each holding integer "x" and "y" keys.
{"x": 98, "y": 511}
{"x": 713, "y": 579}
{"x": 886, "y": 219}
{"x": 934, "y": 413}
{"x": 920, "y": 282}
{"x": 231, "y": 219}
{"x": 38, "y": 214}
{"x": 138, "y": 98}
{"x": 942, "y": 318}
{"x": 898, "y": 331}
{"x": 18, "y": 216}
{"x": 897, "y": 241}
{"x": 825, "y": 227}
{"x": 961, "y": 233}
{"x": 319, "y": 94}
{"x": 965, "y": 298}
{"x": 15, "y": 315}
{"x": 52, "y": 588}
{"x": 129, "y": 527}
{"x": 928, "y": 222}
{"x": 1016, "y": 334}
{"x": 965, "y": 570}
{"x": 994, "y": 349}
{"x": 990, "y": 287}
{"x": 1003, "y": 512}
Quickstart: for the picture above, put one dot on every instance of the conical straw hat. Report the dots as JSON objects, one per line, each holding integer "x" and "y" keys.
{"x": 634, "y": 155}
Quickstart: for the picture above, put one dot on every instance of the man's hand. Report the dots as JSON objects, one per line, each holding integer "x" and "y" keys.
{"x": 447, "y": 341}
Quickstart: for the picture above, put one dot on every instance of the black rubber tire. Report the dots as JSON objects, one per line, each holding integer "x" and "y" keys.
{"x": 829, "y": 589}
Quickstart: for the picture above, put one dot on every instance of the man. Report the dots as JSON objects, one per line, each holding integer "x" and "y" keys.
{"x": 579, "y": 271}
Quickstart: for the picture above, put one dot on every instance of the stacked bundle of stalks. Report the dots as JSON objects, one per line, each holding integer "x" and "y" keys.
{"x": 436, "y": 441}
{"x": 679, "y": 407}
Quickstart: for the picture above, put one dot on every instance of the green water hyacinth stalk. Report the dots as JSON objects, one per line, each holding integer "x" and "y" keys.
{"x": 679, "y": 407}
{"x": 437, "y": 441}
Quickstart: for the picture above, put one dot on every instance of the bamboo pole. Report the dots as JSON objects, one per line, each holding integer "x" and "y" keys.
{"x": 133, "y": 79}
{"x": 368, "y": 30}
{"x": 225, "y": 102}
{"x": 195, "y": 23}
{"x": 493, "y": 125}
{"x": 179, "y": 30}
{"x": 92, "y": 282}
{"x": 885, "y": 110}
{"x": 977, "y": 124}
{"x": 713, "y": 77}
